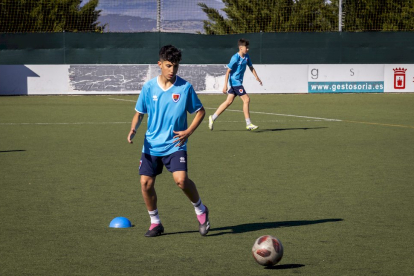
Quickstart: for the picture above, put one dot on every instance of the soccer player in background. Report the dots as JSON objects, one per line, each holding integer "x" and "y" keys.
{"x": 166, "y": 99}
{"x": 234, "y": 78}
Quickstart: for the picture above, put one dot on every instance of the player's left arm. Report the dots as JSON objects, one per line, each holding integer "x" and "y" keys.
{"x": 255, "y": 74}
{"x": 182, "y": 136}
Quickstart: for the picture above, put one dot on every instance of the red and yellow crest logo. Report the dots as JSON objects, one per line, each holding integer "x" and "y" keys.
{"x": 176, "y": 97}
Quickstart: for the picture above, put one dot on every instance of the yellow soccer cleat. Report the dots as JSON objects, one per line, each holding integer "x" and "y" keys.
{"x": 210, "y": 122}
{"x": 251, "y": 127}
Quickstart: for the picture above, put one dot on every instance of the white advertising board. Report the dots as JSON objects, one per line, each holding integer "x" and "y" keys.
{"x": 345, "y": 78}
{"x": 284, "y": 78}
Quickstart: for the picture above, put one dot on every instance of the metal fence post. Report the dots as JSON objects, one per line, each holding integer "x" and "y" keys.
{"x": 340, "y": 16}
{"x": 158, "y": 15}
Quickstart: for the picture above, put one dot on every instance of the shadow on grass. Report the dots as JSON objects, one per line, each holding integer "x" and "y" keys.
{"x": 250, "y": 227}
{"x": 275, "y": 129}
{"x": 181, "y": 232}
{"x": 283, "y": 129}
{"x": 285, "y": 266}
{"x": 4, "y": 151}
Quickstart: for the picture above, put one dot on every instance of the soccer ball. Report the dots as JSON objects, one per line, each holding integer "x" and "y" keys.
{"x": 267, "y": 250}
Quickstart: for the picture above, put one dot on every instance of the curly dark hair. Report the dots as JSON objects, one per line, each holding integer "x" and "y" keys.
{"x": 170, "y": 53}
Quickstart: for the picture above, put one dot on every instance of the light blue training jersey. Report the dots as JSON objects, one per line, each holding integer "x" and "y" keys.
{"x": 167, "y": 112}
{"x": 238, "y": 67}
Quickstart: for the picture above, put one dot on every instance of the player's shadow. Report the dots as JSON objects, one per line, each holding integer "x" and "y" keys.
{"x": 4, "y": 151}
{"x": 284, "y": 129}
{"x": 275, "y": 129}
{"x": 250, "y": 227}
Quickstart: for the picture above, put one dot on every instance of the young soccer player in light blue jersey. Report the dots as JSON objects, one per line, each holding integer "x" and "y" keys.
{"x": 234, "y": 78}
{"x": 166, "y": 100}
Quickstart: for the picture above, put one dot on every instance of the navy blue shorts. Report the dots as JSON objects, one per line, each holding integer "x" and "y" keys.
{"x": 237, "y": 90}
{"x": 152, "y": 165}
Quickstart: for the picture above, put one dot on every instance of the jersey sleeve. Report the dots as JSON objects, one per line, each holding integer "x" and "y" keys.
{"x": 233, "y": 63}
{"x": 193, "y": 102}
{"x": 141, "y": 105}
{"x": 249, "y": 62}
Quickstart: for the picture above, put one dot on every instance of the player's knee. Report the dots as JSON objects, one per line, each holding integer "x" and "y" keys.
{"x": 228, "y": 103}
{"x": 146, "y": 185}
{"x": 181, "y": 182}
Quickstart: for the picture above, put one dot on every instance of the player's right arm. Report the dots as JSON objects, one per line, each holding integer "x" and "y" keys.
{"x": 226, "y": 80}
{"x": 141, "y": 109}
{"x": 136, "y": 122}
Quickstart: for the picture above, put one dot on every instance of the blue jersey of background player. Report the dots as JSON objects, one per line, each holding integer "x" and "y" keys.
{"x": 236, "y": 68}
{"x": 166, "y": 100}
{"x": 234, "y": 78}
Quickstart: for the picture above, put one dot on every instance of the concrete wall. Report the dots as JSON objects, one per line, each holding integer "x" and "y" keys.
{"x": 206, "y": 78}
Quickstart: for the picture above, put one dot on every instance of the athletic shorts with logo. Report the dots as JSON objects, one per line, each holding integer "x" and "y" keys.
{"x": 150, "y": 165}
{"x": 237, "y": 90}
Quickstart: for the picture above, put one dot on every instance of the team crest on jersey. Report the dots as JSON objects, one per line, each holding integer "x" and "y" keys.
{"x": 241, "y": 90}
{"x": 176, "y": 97}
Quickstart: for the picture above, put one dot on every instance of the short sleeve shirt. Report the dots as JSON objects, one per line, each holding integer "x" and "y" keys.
{"x": 238, "y": 67}
{"x": 167, "y": 112}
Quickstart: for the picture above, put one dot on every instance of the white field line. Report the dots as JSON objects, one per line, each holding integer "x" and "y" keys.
{"x": 285, "y": 115}
{"x": 113, "y": 123}
{"x": 256, "y": 112}
{"x": 115, "y": 99}
{"x": 231, "y": 110}
{"x": 298, "y": 116}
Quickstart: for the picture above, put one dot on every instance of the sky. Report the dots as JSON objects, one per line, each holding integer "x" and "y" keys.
{"x": 170, "y": 9}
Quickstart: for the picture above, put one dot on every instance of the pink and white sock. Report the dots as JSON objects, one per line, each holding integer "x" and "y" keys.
{"x": 155, "y": 218}
{"x": 200, "y": 210}
{"x": 199, "y": 207}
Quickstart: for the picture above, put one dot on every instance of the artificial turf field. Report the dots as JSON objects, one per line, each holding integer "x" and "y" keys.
{"x": 338, "y": 193}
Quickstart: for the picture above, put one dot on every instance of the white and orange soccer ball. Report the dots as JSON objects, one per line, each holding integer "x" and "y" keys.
{"x": 267, "y": 250}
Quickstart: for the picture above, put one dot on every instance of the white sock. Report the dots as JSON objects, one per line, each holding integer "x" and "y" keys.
{"x": 199, "y": 207}
{"x": 248, "y": 122}
{"x": 155, "y": 218}
{"x": 214, "y": 117}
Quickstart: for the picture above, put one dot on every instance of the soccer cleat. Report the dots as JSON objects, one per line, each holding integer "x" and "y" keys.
{"x": 210, "y": 122}
{"x": 251, "y": 127}
{"x": 156, "y": 231}
{"x": 205, "y": 226}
